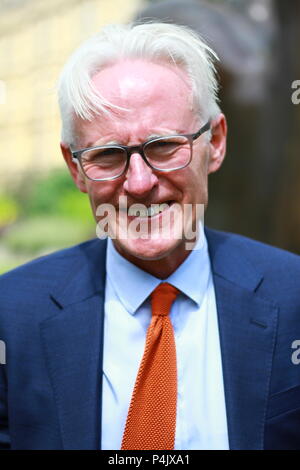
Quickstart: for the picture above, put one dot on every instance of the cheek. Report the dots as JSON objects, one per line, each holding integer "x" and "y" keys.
{"x": 194, "y": 177}
{"x": 102, "y": 193}
{"x": 200, "y": 168}
{"x": 194, "y": 183}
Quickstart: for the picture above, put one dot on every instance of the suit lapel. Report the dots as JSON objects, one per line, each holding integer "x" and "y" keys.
{"x": 73, "y": 345}
{"x": 247, "y": 326}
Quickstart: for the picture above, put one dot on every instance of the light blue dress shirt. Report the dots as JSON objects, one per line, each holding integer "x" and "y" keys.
{"x": 201, "y": 414}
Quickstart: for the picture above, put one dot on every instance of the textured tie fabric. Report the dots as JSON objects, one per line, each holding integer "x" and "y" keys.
{"x": 151, "y": 420}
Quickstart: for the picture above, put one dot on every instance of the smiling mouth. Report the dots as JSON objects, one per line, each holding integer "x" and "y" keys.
{"x": 143, "y": 211}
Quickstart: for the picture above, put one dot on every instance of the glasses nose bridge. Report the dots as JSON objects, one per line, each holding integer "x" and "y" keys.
{"x": 137, "y": 149}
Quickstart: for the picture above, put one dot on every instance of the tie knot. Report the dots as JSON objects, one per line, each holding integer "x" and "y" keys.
{"x": 162, "y": 298}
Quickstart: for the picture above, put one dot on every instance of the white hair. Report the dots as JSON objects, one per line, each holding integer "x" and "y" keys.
{"x": 156, "y": 42}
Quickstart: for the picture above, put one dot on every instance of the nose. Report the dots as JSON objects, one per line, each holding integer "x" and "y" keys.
{"x": 140, "y": 179}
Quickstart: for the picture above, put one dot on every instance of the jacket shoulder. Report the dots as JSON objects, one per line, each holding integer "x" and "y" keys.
{"x": 45, "y": 262}
{"x": 279, "y": 269}
{"x": 262, "y": 253}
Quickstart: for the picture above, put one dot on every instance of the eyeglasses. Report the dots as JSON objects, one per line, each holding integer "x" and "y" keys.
{"x": 108, "y": 162}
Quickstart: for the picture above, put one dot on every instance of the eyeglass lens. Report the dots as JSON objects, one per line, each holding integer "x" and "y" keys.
{"x": 164, "y": 154}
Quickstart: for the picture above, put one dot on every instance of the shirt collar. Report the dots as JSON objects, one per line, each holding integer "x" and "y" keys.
{"x": 132, "y": 285}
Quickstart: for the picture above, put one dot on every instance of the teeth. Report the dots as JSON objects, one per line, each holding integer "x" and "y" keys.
{"x": 163, "y": 206}
{"x": 152, "y": 210}
{"x": 137, "y": 211}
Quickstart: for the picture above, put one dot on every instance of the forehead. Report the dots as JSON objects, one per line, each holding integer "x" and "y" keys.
{"x": 154, "y": 96}
{"x": 136, "y": 81}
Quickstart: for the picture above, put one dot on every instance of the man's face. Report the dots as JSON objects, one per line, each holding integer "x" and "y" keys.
{"x": 158, "y": 102}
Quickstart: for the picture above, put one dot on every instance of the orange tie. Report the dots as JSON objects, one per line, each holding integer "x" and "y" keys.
{"x": 151, "y": 420}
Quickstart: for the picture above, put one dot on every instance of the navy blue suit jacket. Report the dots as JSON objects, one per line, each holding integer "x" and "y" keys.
{"x": 51, "y": 319}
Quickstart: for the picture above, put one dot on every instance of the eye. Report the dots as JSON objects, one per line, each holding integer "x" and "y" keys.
{"x": 102, "y": 156}
{"x": 166, "y": 147}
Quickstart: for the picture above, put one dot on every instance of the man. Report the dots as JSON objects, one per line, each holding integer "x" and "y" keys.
{"x": 163, "y": 336}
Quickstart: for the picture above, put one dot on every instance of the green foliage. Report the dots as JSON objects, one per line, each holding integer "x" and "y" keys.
{"x": 9, "y": 210}
{"x": 42, "y": 215}
{"x": 75, "y": 205}
{"x": 46, "y": 234}
{"x": 57, "y": 194}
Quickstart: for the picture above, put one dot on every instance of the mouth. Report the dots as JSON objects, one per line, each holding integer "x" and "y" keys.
{"x": 143, "y": 211}
{"x": 148, "y": 212}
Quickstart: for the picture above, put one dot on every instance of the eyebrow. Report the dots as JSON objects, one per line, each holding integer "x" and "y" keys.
{"x": 93, "y": 144}
{"x": 150, "y": 137}
{"x": 156, "y": 136}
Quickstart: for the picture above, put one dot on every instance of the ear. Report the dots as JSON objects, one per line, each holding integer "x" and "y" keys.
{"x": 74, "y": 168}
{"x": 217, "y": 143}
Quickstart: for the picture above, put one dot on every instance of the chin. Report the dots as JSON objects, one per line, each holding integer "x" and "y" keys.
{"x": 146, "y": 249}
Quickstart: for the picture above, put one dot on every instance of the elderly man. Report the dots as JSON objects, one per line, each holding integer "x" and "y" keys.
{"x": 164, "y": 336}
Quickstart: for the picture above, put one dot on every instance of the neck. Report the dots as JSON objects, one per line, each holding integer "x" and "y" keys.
{"x": 161, "y": 268}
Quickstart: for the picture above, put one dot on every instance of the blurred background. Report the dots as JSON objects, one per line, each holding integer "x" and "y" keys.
{"x": 257, "y": 191}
